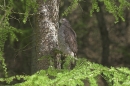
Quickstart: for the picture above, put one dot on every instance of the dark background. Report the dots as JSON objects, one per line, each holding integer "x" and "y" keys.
{"x": 113, "y": 50}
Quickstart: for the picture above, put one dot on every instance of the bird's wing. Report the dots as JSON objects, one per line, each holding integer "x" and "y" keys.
{"x": 70, "y": 38}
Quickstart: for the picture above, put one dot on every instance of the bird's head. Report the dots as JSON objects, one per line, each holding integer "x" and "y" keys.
{"x": 63, "y": 20}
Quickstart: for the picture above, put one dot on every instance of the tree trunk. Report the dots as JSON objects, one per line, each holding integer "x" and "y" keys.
{"x": 104, "y": 36}
{"x": 45, "y": 33}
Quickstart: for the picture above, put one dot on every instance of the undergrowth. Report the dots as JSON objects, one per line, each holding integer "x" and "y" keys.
{"x": 84, "y": 70}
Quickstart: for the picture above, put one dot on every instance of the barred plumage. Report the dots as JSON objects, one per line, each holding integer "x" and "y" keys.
{"x": 67, "y": 38}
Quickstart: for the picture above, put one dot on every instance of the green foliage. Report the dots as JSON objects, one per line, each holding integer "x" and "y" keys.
{"x": 8, "y": 31}
{"x": 30, "y": 5}
{"x": 112, "y": 6}
{"x": 84, "y": 70}
{"x": 68, "y": 60}
{"x": 10, "y": 79}
{"x": 115, "y": 7}
{"x": 119, "y": 76}
{"x": 5, "y": 30}
{"x": 26, "y": 7}
{"x": 94, "y": 7}
{"x": 73, "y": 6}
{"x": 4, "y": 66}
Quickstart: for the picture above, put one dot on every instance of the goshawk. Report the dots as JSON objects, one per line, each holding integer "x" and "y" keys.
{"x": 67, "y": 38}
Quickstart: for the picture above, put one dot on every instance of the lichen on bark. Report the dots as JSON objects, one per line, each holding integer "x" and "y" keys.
{"x": 46, "y": 38}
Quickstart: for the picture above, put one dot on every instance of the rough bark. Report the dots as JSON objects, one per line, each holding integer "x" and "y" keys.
{"x": 104, "y": 36}
{"x": 46, "y": 38}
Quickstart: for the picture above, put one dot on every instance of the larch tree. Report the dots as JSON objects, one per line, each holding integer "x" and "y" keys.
{"x": 46, "y": 38}
{"x": 104, "y": 36}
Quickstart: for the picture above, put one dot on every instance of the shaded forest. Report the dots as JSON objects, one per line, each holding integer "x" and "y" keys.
{"x": 99, "y": 38}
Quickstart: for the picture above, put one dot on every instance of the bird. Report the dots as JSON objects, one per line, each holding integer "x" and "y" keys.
{"x": 67, "y": 38}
